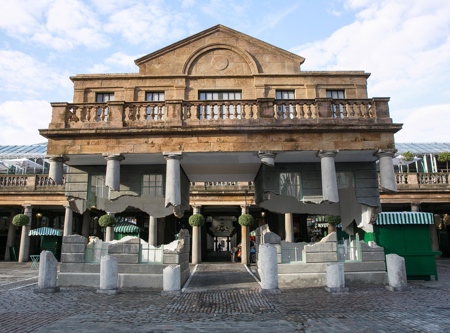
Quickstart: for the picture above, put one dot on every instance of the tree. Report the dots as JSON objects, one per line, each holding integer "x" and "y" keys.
{"x": 444, "y": 157}
{"x": 407, "y": 156}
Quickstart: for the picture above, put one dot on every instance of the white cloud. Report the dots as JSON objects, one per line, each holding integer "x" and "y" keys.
{"x": 148, "y": 24}
{"x": 116, "y": 63}
{"x": 404, "y": 44}
{"x": 20, "y": 121}
{"x": 426, "y": 124}
{"x": 24, "y": 76}
{"x": 58, "y": 24}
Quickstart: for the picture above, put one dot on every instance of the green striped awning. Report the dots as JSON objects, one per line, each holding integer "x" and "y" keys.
{"x": 404, "y": 218}
{"x": 45, "y": 231}
{"x": 126, "y": 228}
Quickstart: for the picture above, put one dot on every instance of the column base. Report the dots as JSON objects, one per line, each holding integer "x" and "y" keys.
{"x": 46, "y": 290}
{"x": 269, "y": 291}
{"x": 108, "y": 291}
{"x": 397, "y": 288}
{"x": 336, "y": 290}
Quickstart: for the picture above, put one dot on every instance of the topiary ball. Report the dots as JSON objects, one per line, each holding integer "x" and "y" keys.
{"x": 20, "y": 220}
{"x": 333, "y": 220}
{"x": 106, "y": 221}
{"x": 196, "y": 220}
{"x": 246, "y": 220}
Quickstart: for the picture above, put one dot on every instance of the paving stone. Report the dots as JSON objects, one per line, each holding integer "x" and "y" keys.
{"x": 236, "y": 307}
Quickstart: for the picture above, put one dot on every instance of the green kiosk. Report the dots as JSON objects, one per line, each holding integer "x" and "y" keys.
{"x": 51, "y": 239}
{"x": 407, "y": 234}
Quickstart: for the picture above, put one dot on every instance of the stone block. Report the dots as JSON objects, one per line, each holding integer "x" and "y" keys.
{"x": 369, "y": 266}
{"x": 321, "y": 257}
{"x": 332, "y": 237}
{"x": 271, "y": 238}
{"x": 171, "y": 258}
{"x": 48, "y": 268}
{"x": 370, "y": 248}
{"x": 151, "y": 281}
{"x": 140, "y": 269}
{"x": 321, "y": 247}
{"x": 302, "y": 268}
{"x": 108, "y": 273}
{"x": 72, "y": 257}
{"x": 75, "y": 239}
{"x": 396, "y": 270}
{"x": 79, "y": 268}
{"x": 131, "y": 248}
{"x": 172, "y": 279}
{"x": 123, "y": 258}
{"x": 134, "y": 240}
{"x": 115, "y": 248}
{"x": 356, "y": 278}
{"x": 78, "y": 279}
{"x": 73, "y": 248}
{"x": 372, "y": 256}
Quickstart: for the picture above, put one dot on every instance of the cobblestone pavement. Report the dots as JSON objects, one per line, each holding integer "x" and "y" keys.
{"x": 423, "y": 308}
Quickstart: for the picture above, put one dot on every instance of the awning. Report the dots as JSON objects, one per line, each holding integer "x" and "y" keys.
{"x": 45, "y": 231}
{"x": 404, "y": 218}
{"x": 126, "y": 228}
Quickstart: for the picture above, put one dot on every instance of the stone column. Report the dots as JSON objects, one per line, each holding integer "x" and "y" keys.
{"x": 86, "y": 223}
{"x": 171, "y": 281}
{"x": 68, "y": 221}
{"x": 289, "y": 227}
{"x": 198, "y": 230}
{"x": 11, "y": 237}
{"x": 173, "y": 183}
{"x": 112, "y": 178}
{"x": 329, "y": 181}
{"x": 245, "y": 248}
{"x": 24, "y": 250}
{"x": 396, "y": 269}
{"x": 195, "y": 241}
{"x": 56, "y": 169}
{"x": 152, "y": 231}
{"x": 387, "y": 174}
{"x": 336, "y": 278}
{"x": 267, "y": 157}
{"x": 109, "y": 237}
{"x": 415, "y": 206}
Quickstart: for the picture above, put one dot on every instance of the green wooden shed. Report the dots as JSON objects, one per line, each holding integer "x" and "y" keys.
{"x": 51, "y": 239}
{"x": 407, "y": 234}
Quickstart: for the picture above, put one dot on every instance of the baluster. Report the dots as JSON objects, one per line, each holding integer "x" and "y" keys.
{"x": 235, "y": 112}
{"x": 294, "y": 110}
{"x": 309, "y": 112}
{"x": 243, "y": 112}
{"x": 188, "y": 111}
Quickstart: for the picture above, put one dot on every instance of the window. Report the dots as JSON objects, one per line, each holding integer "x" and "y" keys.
{"x": 285, "y": 111}
{"x": 290, "y": 184}
{"x": 336, "y": 109}
{"x": 98, "y": 189}
{"x": 104, "y": 97}
{"x": 219, "y": 112}
{"x": 155, "y": 112}
{"x": 102, "y": 112}
{"x": 153, "y": 185}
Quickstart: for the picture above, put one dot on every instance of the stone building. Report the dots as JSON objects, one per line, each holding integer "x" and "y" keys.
{"x": 222, "y": 107}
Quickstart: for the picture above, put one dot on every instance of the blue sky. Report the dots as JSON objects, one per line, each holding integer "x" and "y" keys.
{"x": 404, "y": 44}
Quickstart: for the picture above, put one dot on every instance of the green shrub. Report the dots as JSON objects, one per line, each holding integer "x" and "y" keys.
{"x": 333, "y": 220}
{"x": 444, "y": 157}
{"x": 106, "y": 221}
{"x": 20, "y": 220}
{"x": 246, "y": 220}
{"x": 408, "y": 156}
{"x": 196, "y": 220}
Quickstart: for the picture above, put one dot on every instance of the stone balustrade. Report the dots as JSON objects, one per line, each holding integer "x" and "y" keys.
{"x": 28, "y": 182}
{"x": 422, "y": 180}
{"x": 119, "y": 114}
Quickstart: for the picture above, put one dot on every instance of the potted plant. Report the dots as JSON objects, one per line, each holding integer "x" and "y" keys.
{"x": 106, "y": 221}
{"x": 196, "y": 220}
{"x": 246, "y": 220}
{"x": 20, "y": 220}
{"x": 408, "y": 156}
{"x": 332, "y": 221}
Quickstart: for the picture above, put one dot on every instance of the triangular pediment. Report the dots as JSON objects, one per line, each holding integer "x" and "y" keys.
{"x": 219, "y": 51}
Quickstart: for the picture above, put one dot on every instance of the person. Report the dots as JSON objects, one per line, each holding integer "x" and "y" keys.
{"x": 219, "y": 247}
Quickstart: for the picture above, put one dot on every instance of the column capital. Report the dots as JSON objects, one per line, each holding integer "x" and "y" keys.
{"x": 267, "y": 157}
{"x": 173, "y": 155}
{"x": 57, "y": 158}
{"x": 385, "y": 153}
{"x": 327, "y": 153}
{"x": 114, "y": 157}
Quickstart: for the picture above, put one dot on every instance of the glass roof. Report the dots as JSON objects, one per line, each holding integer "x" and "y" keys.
{"x": 23, "y": 151}
{"x": 423, "y": 148}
